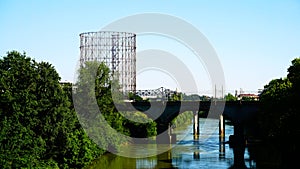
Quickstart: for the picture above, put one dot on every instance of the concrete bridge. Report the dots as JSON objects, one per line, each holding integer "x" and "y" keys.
{"x": 164, "y": 112}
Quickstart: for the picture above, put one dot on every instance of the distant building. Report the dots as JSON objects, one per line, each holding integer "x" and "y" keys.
{"x": 117, "y": 50}
{"x": 65, "y": 83}
{"x": 249, "y": 96}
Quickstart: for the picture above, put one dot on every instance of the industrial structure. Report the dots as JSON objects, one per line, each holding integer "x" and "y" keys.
{"x": 117, "y": 50}
{"x": 156, "y": 94}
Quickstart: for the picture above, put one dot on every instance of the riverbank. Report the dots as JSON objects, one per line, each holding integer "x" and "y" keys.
{"x": 182, "y": 122}
{"x": 187, "y": 153}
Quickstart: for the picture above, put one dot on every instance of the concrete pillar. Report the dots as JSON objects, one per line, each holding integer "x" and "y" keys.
{"x": 222, "y": 137}
{"x": 173, "y": 137}
{"x": 196, "y": 125}
{"x": 239, "y": 145}
{"x": 239, "y": 160}
{"x": 237, "y": 139}
{"x": 164, "y": 134}
{"x": 222, "y": 126}
{"x": 238, "y": 131}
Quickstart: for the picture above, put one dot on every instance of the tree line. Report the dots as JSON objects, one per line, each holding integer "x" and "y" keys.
{"x": 280, "y": 105}
{"x": 39, "y": 127}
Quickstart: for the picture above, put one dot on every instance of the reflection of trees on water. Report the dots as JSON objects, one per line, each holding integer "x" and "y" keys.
{"x": 164, "y": 160}
{"x": 274, "y": 154}
{"x": 239, "y": 160}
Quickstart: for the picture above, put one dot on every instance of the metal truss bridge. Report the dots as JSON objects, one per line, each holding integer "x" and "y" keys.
{"x": 164, "y": 93}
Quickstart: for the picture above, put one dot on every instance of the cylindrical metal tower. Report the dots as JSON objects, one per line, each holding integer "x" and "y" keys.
{"x": 116, "y": 49}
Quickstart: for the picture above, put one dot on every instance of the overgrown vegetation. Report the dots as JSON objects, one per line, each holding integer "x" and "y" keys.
{"x": 39, "y": 127}
{"x": 195, "y": 97}
{"x": 183, "y": 119}
{"x": 280, "y": 105}
{"x": 107, "y": 92}
{"x": 230, "y": 97}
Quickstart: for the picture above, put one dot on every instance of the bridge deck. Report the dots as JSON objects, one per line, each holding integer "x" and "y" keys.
{"x": 184, "y": 105}
{"x": 233, "y": 110}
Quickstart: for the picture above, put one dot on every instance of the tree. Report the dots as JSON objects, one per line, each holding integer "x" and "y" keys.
{"x": 94, "y": 105}
{"x": 106, "y": 90}
{"x": 294, "y": 78}
{"x": 279, "y": 115}
{"x": 280, "y": 107}
{"x": 135, "y": 97}
{"x": 294, "y": 73}
{"x": 38, "y": 127}
{"x": 192, "y": 97}
{"x": 18, "y": 105}
{"x": 230, "y": 97}
{"x": 275, "y": 99}
{"x": 176, "y": 96}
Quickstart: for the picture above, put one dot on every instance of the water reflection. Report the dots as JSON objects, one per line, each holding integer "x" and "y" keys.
{"x": 221, "y": 147}
{"x": 164, "y": 160}
{"x": 239, "y": 159}
{"x": 211, "y": 152}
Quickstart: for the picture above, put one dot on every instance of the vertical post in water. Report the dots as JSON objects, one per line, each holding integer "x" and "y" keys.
{"x": 196, "y": 125}
{"x": 239, "y": 145}
{"x": 222, "y": 137}
{"x": 173, "y": 137}
{"x": 222, "y": 126}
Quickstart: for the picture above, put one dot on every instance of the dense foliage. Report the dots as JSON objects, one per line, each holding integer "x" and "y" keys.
{"x": 230, "y": 97}
{"x": 195, "y": 97}
{"x": 38, "y": 127}
{"x": 280, "y": 104}
{"x": 107, "y": 93}
{"x": 176, "y": 96}
{"x": 134, "y": 97}
{"x": 183, "y": 119}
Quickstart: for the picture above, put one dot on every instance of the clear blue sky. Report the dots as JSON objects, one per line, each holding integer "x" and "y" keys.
{"x": 255, "y": 41}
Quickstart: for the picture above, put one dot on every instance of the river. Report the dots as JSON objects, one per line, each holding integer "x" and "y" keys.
{"x": 188, "y": 153}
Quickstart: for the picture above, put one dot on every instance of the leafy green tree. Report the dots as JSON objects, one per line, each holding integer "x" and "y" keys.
{"x": 95, "y": 107}
{"x": 280, "y": 106}
{"x": 106, "y": 90}
{"x": 244, "y": 98}
{"x": 192, "y": 97}
{"x": 137, "y": 128}
{"x": 294, "y": 73}
{"x": 183, "y": 119}
{"x": 230, "y": 97}
{"x": 135, "y": 97}
{"x": 18, "y": 105}
{"x": 38, "y": 127}
{"x": 275, "y": 99}
{"x": 294, "y": 78}
{"x": 176, "y": 96}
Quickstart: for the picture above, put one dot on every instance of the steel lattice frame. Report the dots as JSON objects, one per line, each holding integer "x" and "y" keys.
{"x": 116, "y": 49}
{"x": 155, "y": 93}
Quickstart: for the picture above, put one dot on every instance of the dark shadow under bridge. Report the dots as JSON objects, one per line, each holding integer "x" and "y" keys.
{"x": 164, "y": 112}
